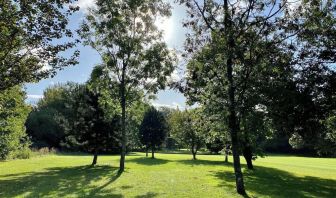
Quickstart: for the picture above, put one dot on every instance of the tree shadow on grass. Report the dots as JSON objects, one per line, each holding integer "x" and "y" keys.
{"x": 148, "y": 161}
{"x": 272, "y": 182}
{"x": 147, "y": 195}
{"x": 204, "y": 162}
{"x": 60, "y": 182}
{"x": 265, "y": 181}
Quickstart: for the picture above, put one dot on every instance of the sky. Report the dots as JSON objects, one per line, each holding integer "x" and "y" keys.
{"x": 174, "y": 35}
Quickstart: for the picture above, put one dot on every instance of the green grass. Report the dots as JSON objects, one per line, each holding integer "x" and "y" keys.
{"x": 170, "y": 175}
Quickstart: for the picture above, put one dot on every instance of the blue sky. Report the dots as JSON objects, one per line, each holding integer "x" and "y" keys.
{"x": 174, "y": 36}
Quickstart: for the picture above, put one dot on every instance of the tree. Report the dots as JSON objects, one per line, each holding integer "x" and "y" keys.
{"x": 153, "y": 130}
{"x": 125, "y": 35}
{"x": 14, "y": 142}
{"x": 188, "y": 128}
{"x": 300, "y": 96}
{"x": 328, "y": 145}
{"x": 31, "y": 45}
{"x": 255, "y": 128}
{"x": 230, "y": 41}
{"x": 42, "y": 125}
{"x": 90, "y": 129}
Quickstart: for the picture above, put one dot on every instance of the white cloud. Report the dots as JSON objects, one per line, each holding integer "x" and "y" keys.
{"x": 84, "y": 5}
{"x": 174, "y": 105}
{"x": 293, "y": 5}
{"x": 32, "y": 96}
{"x": 174, "y": 77}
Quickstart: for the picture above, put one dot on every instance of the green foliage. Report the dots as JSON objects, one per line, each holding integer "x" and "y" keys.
{"x": 31, "y": 52}
{"x": 89, "y": 130}
{"x": 153, "y": 129}
{"x": 14, "y": 142}
{"x": 215, "y": 144}
{"x": 327, "y": 143}
{"x": 133, "y": 53}
{"x": 42, "y": 123}
{"x": 188, "y": 128}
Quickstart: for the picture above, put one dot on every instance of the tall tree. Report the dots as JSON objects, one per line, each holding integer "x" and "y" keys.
{"x": 234, "y": 38}
{"x": 91, "y": 129}
{"x": 13, "y": 113}
{"x": 131, "y": 46}
{"x": 305, "y": 89}
{"x": 153, "y": 130}
{"x": 31, "y": 40}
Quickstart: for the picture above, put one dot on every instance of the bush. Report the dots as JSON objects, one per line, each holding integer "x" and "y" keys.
{"x": 44, "y": 151}
{"x": 24, "y": 153}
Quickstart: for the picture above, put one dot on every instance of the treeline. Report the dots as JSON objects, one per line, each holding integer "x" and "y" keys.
{"x": 261, "y": 75}
{"x": 86, "y": 118}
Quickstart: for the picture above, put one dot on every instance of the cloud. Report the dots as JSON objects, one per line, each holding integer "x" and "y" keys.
{"x": 84, "y": 5}
{"x": 293, "y": 5}
{"x": 32, "y": 96}
{"x": 174, "y": 105}
{"x": 174, "y": 77}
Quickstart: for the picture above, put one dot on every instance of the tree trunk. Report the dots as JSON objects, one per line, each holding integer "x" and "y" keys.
{"x": 153, "y": 151}
{"x": 146, "y": 151}
{"x": 123, "y": 123}
{"x": 226, "y": 153}
{"x": 95, "y": 157}
{"x": 194, "y": 152}
{"x": 233, "y": 125}
{"x": 247, "y": 152}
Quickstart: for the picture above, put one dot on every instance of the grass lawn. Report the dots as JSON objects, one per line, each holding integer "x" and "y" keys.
{"x": 170, "y": 175}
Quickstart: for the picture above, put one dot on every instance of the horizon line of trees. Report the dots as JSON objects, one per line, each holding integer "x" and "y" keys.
{"x": 260, "y": 73}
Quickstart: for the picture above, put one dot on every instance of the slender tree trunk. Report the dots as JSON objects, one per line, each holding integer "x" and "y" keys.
{"x": 146, "y": 151}
{"x": 194, "y": 152}
{"x": 247, "y": 152}
{"x": 226, "y": 153}
{"x": 233, "y": 125}
{"x": 153, "y": 151}
{"x": 123, "y": 123}
{"x": 95, "y": 157}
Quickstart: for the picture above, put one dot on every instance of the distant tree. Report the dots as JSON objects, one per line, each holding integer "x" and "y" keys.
{"x": 327, "y": 146}
{"x": 153, "y": 130}
{"x": 189, "y": 129}
{"x": 14, "y": 142}
{"x": 90, "y": 130}
{"x": 42, "y": 123}
{"x": 217, "y": 136}
{"x": 255, "y": 128}
{"x": 33, "y": 38}
{"x": 131, "y": 46}
{"x": 215, "y": 144}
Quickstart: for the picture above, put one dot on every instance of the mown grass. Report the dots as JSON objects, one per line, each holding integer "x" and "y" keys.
{"x": 170, "y": 175}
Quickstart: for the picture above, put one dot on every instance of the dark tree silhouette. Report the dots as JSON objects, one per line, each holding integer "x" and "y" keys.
{"x": 153, "y": 130}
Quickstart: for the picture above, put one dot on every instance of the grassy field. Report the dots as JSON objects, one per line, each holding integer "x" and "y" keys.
{"x": 170, "y": 175}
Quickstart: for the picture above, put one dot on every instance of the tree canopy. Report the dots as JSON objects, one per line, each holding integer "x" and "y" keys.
{"x": 32, "y": 38}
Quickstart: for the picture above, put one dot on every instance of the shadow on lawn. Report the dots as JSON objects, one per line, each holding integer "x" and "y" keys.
{"x": 265, "y": 181}
{"x": 148, "y": 161}
{"x": 203, "y": 162}
{"x": 60, "y": 182}
{"x": 272, "y": 182}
